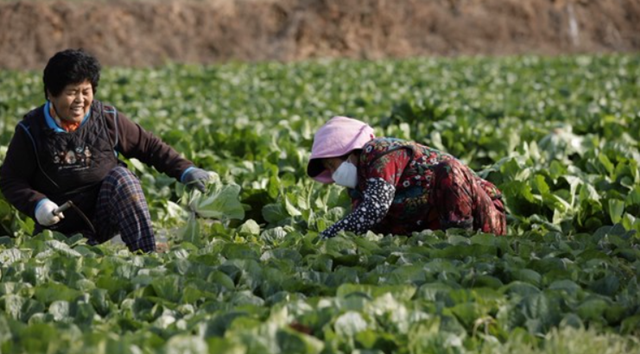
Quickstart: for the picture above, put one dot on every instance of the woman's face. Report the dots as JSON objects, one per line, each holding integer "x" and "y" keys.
{"x": 74, "y": 102}
{"x": 332, "y": 163}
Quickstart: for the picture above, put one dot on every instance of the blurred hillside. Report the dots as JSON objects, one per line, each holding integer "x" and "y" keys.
{"x": 146, "y": 32}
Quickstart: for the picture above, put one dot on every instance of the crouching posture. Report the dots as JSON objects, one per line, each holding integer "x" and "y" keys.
{"x": 67, "y": 150}
{"x": 399, "y": 186}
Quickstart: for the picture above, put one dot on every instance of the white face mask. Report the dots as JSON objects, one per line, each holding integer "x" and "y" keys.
{"x": 346, "y": 175}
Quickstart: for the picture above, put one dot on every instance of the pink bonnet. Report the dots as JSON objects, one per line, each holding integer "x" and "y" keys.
{"x": 338, "y": 137}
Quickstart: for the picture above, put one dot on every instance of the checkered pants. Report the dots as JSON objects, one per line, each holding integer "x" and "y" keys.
{"x": 121, "y": 207}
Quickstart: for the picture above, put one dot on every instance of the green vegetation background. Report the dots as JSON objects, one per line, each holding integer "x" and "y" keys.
{"x": 559, "y": 136}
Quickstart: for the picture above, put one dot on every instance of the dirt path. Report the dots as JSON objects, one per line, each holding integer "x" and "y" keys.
{"x": 151, "y": 32}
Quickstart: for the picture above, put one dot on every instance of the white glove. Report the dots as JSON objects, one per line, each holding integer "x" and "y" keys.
{"x": 44, "y": 213}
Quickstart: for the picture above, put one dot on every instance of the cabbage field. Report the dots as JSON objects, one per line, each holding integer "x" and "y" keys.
{"x": 245, "y": 271}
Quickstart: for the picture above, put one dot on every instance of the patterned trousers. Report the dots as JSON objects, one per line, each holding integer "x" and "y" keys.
{"x": 464, "y": 200}
{"x": 121, "y": 207}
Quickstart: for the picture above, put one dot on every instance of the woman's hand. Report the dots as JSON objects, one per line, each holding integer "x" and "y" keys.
{"x": 45, "y": 213}
{"x": 197, "y": 177}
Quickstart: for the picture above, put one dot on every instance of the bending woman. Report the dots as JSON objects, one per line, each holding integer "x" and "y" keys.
{"x": 398, "y": 186}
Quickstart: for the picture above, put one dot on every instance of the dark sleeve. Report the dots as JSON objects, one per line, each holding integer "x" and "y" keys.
{"x": 135, "y": 142}
{"x": 383, "y": 174}
{"x": 18, "y": 168}
{"x": 374, "y": 206}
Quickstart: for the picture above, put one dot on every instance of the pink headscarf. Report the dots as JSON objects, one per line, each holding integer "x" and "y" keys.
{"x": 337, "y": 137}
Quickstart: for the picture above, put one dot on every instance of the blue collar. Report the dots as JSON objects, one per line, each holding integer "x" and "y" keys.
{"x": 52, "y": 123}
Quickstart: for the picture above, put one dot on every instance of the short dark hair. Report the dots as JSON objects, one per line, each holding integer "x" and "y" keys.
{"x": 70, "y": 66}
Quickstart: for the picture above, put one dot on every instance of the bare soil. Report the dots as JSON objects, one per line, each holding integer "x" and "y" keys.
{"x": 153, "y": 32}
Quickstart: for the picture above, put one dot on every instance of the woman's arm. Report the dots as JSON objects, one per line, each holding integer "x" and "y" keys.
{"x": 383, "y": 174}
{"x": 376, "y": 203}
{"x": 19, "y": 166}
{"x": 135, "y": 142}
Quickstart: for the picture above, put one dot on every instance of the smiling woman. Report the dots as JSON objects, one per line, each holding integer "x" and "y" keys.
{"x": 70, "y": 80}
{"x": 71, "y": 107}
{"x": 67, "y": 150}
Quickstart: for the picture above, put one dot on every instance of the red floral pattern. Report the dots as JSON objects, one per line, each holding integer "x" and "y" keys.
{"x": 433, "y": 189}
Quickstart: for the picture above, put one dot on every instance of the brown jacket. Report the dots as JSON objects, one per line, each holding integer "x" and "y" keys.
{"x": 28, "y": 173}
